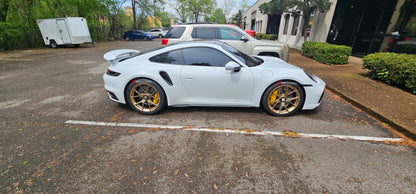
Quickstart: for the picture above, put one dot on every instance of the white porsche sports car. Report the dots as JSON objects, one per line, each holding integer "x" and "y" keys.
{"x": 208, "y": 73}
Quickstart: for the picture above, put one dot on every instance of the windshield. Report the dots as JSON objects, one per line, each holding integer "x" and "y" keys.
{"x": 247, "y": 59}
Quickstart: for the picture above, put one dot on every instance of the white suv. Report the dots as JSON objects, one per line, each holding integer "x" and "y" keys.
{"x": 157, "y": 33}
{"x": 230, "y": 34}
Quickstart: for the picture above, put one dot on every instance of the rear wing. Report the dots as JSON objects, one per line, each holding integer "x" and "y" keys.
{"x": 116, "y": 56}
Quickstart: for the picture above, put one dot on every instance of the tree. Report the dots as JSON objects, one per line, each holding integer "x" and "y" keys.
{"x": 200, "y": 7}
{"x": 227, "y": 6}
{"x": 218, "y": 16}
{"x": 4, "y": 6}
{"x": 181, "y": 8}
{"x": 144, "y": 10}
{"x": 300, "y": 7}
{"x": 238, "y": 18}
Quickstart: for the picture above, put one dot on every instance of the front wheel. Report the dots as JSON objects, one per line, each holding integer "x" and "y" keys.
{"x": 283, "y": 99}
{"x": 145, "y": 39}
{"x": 146, "y": 97}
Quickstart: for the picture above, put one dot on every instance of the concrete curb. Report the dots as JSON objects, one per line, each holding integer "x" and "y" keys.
{"x": 368, "y": 110}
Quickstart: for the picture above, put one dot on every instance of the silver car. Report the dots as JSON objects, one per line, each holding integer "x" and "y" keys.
{"x": 230, "y": 34}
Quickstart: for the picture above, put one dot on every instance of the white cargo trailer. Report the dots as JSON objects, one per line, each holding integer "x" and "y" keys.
{"x": 60, "y": 31}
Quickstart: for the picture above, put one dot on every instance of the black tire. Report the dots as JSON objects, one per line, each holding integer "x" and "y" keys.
{"x": 146, "y": 97}
{"x": 145, "y": 38}
{"x": 53, "y": 44}
{"x": 160, "y": 36}
{"x": 283, "y": 98}
{"x": 128, "y": 38}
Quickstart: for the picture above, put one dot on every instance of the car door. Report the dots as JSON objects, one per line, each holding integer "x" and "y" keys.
{"x": 208, "y": 82}
{"x": 63, "y": 30}
{"x": 233, "y": 38}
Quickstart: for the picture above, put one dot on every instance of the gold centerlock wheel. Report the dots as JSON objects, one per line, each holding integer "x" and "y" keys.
{"x": 146, "y": 96}
{"x": 283, "y": 99}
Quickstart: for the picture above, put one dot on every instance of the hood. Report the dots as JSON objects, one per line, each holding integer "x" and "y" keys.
{"x": 270, "y": 43}
{"x": 274, "y": 62}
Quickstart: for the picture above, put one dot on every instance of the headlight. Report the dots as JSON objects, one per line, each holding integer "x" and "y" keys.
{"x": 310, "y": 75}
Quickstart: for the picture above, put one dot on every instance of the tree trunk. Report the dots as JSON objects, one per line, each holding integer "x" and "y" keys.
{"x": 133, "y": 3}
{"x": 307, "y": 16}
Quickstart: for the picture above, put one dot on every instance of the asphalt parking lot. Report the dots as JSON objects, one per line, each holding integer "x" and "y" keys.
{"x": 60, "y": 133}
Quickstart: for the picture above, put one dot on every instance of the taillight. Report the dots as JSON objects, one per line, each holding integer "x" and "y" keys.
{"x": 165, "y": 41}
{"x": 112, "y": 73}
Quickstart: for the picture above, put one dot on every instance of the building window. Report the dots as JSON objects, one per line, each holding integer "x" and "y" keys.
{"x": 295, "y": 25}
{"x": 261, "y": 22}
{"x": 287, "y": 17}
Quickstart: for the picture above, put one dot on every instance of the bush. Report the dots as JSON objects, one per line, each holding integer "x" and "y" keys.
{"x": 393, "y": 69}
{"x": 15, "y": 36}
{"x": 326, "y": 53}
{"x": 266, "y": 36}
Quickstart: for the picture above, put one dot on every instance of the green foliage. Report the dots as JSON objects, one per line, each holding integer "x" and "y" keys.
{"x": 181, "y": 8}
{"x": 307, "y": 6}
{"x": 393, "y": 69}
{"x": 199, "y": 7}
{"x": 266, "y": 36}
{"x": 238, "y": 18}
{"x": 217, "y": 17}
{"x": 275, "y": 7}
{"x": 326, "y": 53}
{"x": 17, "y": 36}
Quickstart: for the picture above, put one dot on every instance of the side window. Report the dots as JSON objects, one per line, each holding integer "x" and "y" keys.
{"x": 204, "y": 33}
{"x": 203, "y": 56}
{"x": 175, "y": 32}
{"x": 230, "y": 34}
{"x": 172, "y": 57}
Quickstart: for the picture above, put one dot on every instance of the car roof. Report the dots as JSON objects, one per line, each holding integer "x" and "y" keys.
{"x": 215, "y": 42}
{"x": 203, "y": 24}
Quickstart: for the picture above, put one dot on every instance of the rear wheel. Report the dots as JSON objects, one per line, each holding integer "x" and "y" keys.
{"x": 283, "y": 99}
{"x": 160, "y": 36}
{"x": 146, "y": 96}
{"x": 127, "y": 38}
{"x": 53, "y": 44}
{"x": 145, "y": 38}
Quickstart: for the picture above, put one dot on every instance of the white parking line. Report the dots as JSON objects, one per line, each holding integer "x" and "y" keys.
{"x": 245, "y": 131}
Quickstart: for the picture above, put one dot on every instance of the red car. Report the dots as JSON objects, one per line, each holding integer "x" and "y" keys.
{"x": 251, "y": 32}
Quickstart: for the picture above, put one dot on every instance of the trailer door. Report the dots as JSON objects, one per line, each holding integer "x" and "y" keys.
{"x": 64, "y": 31}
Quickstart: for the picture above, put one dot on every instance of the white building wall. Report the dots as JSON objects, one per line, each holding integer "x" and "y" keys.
{"x": 319, "y": 31}
{"x": 253, "y": 13}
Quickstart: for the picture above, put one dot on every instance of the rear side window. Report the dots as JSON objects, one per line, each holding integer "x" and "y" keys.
{"x": 230, "y": 34}
{"x": 175, "y": 32}
{"x": 204, "y": 33}
{"x": 172, "y": 57}
{"x": 202, "y": 56}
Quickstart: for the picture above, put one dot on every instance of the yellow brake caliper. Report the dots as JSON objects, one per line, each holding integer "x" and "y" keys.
{"x": 156, "y": 99}
{"x": 273, "y": 97}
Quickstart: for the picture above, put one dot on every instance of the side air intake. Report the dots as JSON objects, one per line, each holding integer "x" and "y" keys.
{"x": 166, "y": 77}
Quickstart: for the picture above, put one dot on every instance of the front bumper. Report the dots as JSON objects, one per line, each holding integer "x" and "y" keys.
{"x": 314, "y": 94}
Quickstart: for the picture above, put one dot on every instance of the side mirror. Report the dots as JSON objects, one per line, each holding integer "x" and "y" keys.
{"x": 244, "y": 38}
{"x": 232, "y": 66}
